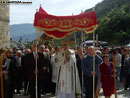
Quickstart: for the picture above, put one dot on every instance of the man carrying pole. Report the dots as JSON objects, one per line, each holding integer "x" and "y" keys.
{"x": 35, "y": 67}
{"x": 89, "y": 73}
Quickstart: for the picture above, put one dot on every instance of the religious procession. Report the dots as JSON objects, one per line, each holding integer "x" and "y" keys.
{"x": 66, "y": 73}
{"x": 62, "y": 71}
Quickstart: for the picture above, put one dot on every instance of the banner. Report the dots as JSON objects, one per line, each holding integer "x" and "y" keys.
{"x": 60, "y": 26}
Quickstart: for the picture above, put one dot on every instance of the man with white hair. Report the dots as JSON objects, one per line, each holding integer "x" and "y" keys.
{"x": 47, "y": 86}
{"x": 87, "y": 66}
{"x": 30, "y": 63}
{"x": 42, "y": 49}
{"x": 18, "y": 71}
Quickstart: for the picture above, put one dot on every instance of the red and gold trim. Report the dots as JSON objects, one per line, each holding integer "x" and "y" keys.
{"x": 60, "y": 26}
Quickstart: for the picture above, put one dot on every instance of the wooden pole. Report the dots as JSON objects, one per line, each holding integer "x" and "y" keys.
{"x": 75, "y": 40}
{"x": 36, "y": 86}
{"x": 82, "y": 69}
{"x": 82, "y": 39}
{"x": 114, "y": 72}
{"x": 51, "y": 46}
{"x": 1, "y": 76}
{"x": 83, "y": 42}
{"x": 36, "y": 62}
{"x": 94, "y": 61}
{"x": 97, "y": 40}
{"x": 94, "y": 64}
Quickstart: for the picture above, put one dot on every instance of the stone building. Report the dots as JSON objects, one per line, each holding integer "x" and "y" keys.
{"x": 4, "y": 25}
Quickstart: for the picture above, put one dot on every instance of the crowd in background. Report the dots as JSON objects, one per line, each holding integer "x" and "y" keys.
{"x": 18, "y": 64}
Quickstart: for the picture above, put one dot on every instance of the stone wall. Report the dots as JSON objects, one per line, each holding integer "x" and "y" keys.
{"x": 4, "y": 25}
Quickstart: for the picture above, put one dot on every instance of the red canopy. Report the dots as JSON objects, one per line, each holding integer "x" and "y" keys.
{"x": 60, "y": 26}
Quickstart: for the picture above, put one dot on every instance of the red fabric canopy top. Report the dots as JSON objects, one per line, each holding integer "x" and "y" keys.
{"x": 60, "y": 26}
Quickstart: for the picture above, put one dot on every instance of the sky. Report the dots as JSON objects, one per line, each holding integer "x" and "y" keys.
{"x": 24, "y": 13}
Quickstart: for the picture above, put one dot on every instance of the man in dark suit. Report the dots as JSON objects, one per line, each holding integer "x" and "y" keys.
{"x": 24, "y": 75}
{"x": 18, "y": 67}
{"x": 32, "y": 72}
{"x": 79, "y": 55}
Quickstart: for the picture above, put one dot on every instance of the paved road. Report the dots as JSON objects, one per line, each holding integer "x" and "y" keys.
{"x": 121, "y": 94}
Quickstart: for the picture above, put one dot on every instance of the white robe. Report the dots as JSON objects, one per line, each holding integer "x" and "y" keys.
{"x": 54, "y": 68}
{"x": 54, "y": 63}
{"x": 68, "y": 80}
{"x": 65, "y": 89}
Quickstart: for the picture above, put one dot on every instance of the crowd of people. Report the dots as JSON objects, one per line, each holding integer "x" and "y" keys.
{"x": 68, "y": 73}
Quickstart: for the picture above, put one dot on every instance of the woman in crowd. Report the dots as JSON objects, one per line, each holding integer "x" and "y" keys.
{"x": 106, "y": 70}
{"x": 5, "y": 72}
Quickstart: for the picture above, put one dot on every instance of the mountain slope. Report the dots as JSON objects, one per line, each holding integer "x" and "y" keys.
{"x": 114, "y": 21}
{"x": 27, "y": 31}
{"x": 21, "y": 29}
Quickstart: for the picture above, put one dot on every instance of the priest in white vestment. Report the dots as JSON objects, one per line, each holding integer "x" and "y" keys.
{"x": 68, "y": 85}
{"x": 54, "y": 66}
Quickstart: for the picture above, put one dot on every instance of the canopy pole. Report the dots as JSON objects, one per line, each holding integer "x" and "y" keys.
{"x": 36, "y": 62}
{"x": 94, "y": 64}
{"x": 94, "y": 61}
{"x": 36, "y": 86}
{"x": 113, "y": 57}
{"x": 38, "y": 36}
{"x": 82, "y": 69}
{"x": 75, "y": 40}
{"x": 1, "y": 76}
{"x": 82, "y": 39}
{"x": 97, "y": 40}
{"x": 52, "y": 46}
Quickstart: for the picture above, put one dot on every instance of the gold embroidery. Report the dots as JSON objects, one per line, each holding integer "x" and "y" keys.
{"x": 63, "y": 24}
{"x": 54, "y": 22}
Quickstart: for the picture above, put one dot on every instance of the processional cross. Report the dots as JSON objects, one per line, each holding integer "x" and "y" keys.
{"x": 65, "y": 44}
{"x": 67, "y": 41}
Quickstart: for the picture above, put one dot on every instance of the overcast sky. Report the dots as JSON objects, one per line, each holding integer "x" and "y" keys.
{"x": 24, "y": 13}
